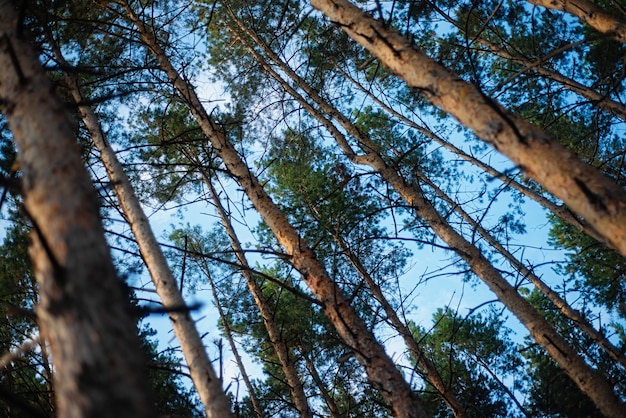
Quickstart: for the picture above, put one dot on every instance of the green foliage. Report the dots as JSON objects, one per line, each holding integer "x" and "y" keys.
{"x": 173, "y": 396}
{"x": 473, "y": 355}
{"x": 515, "y": 52}
{"x": 550, "y": 391}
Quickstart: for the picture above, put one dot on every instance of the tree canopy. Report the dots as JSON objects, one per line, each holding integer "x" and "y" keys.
{"x": 400, "y": 208}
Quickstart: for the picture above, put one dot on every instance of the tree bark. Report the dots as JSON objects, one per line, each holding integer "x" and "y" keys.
{"x": 370, "y": 353}
{"x": 296, "y": 388}
{"x": 583, "y": 188}
{"x": 204, "y": 378}
{"x": 588, "y": 380}
{"x": 590, "y": 14}
{"x": 256, "y": 405}
{"x": 84, "y": 311}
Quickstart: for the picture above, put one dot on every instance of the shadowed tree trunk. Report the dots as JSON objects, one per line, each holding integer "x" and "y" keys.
{"x": 84, "y": 311}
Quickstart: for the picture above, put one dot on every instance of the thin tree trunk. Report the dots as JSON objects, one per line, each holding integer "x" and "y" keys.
{"x": 569, "y": 312}
{"x": 432, "y": 374}
{"x": 558, "y": 210}
{"x": 590, "y": 14}
{"x": 589, "y": 381}
{"x": 370, "y": 353}
{"x": 585, "y": 189}
{"x": 204, "y": 378}
{"x": 84, "y": 310}
{"x": 256, "y": 405}
{"x": 287, "y": 363}
{"x": 330, "y": 402}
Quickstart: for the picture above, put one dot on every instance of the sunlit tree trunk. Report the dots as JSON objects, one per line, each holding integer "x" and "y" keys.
{"x": 589, "y": 13}
{"x": 583, "y": 188}
{"x": 84, "y": 311}
{"x": 370, "y": 353}
{"x": 589, "y": 381}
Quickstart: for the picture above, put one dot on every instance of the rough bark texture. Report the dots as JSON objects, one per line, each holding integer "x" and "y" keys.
{"x": 204, "y": 378}
{"x": 84, "y": 311}
{"x": 431, "y": 372}
{"x": 590, "y": 14}
{"x": 589, "y": 381}
{"x": 583, "y": 188}
{"x": 380, "y": 368}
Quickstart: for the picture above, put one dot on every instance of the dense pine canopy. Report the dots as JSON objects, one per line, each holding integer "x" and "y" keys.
{"x": 389, "y": 208}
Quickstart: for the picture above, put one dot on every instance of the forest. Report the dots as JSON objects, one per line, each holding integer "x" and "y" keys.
{"x": 333, "y": 208}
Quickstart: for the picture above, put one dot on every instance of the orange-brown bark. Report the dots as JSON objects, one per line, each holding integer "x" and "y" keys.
{"x": 589, "y": 193}
{"x": 370, "y": 353}
{"x": 84, "y": 311}
{"x": 590, "y": 14}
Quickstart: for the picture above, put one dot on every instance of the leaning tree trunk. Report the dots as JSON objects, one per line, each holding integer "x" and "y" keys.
{"x": 380, "y": 368}
{"x": 589, "y": 193}
{"x": 588, "y": 380}
{"x": 204, "y": 378}
{"x": 559, "y": 210}
{"x": 296, "y": 388}
{"x": 228, "y": 333}
{"x": 589, "y": 13}
{"x": 84, "y": 311}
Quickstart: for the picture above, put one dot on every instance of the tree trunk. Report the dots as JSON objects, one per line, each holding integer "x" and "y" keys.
{"x": 558, "y": 210}
{"x": 256, "y": 405}
{"x": 588, "y": 380}
{"x": 576, "y": 317}
{"x": 590, "y": 14}
{"x": 204, "y": 378}
{"x": 330, "y": 402}
{"x": 583, "y": 188}
{"x": 84, "y": 311}
{"x": 370, "y": 353}
{"x": 280, "y": 347}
